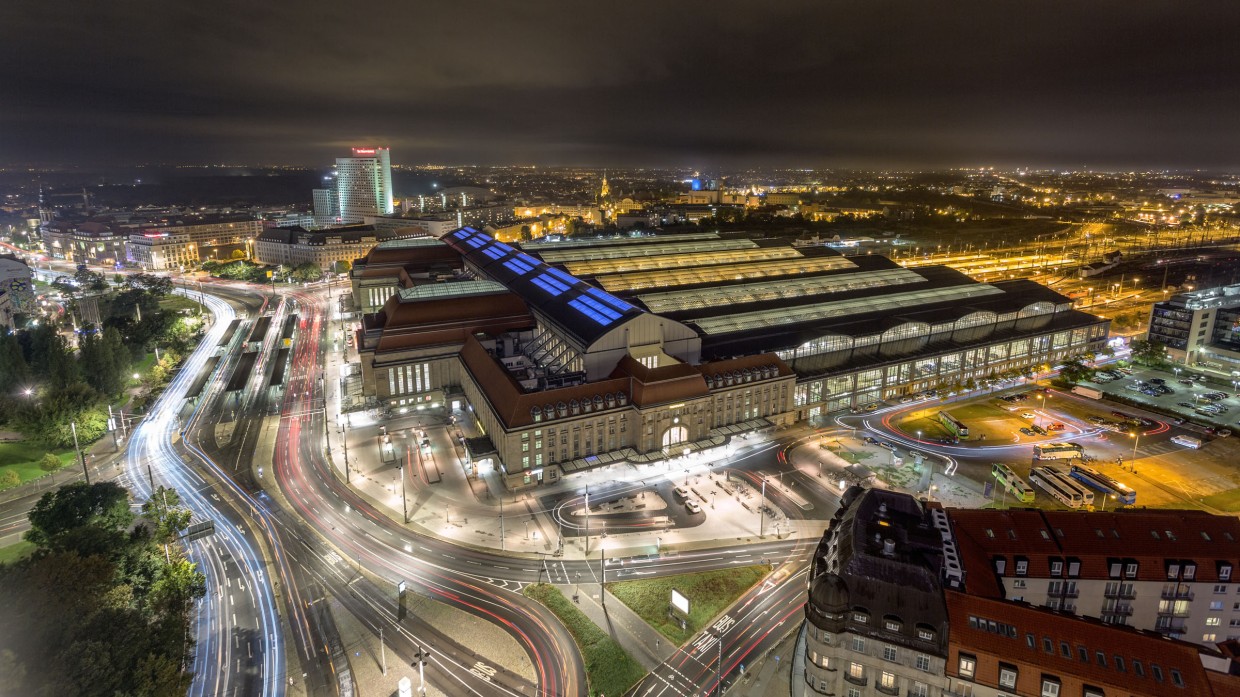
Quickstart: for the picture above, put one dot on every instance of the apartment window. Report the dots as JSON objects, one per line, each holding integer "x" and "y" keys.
{"x": 919, "y": 689}
{"x": 892, "y": 625}
{"x": 1138, "y": 668}
{"x": 1007, "y": 676}
{"x": 1220, "y": 589}
{"x": 1022, "y": 567}
{"x": 1065, "y": 649}
{"x": 1213, "y": 621}
{"x": 1176, "y": 678}
{"x": 1130, "y": 570}
{"x": 1224, "y": 572}
{"x": 1119, "y": 663}
{"x": 1190, "y": 570}
{"x": 856, "y": 671}
{"x": 826, "y": 637}
{"x": 887, "y": 682}
{"x": 858, "y": 644}
{"x": 967, "y": 666}
{"x": 925, "y": 634}
{"x": 854, "y": 692}
{"x": 1056, "y": 568}
{"x": 1173, "y": 570}
{"x": 923, "y": 663}
{"x": 1050, "y": 686}
{"x": 889, "y": 653}
{"x": 1209, "y": 637}
{"x": 1018, "y": 583}
{"x": 1101, "y": 658}
{"x": 1031, "y": 641}
{"x": 1047, "y": 645}
{"x": 1083, "y": 653}
{"x": 861, "y": 618}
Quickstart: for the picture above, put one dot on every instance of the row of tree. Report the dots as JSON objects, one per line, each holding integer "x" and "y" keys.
{"x": 103, "y": 606}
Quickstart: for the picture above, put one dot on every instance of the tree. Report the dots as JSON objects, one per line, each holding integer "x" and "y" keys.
{"x": 238, "y": 254}
{"x": 1074, "y": 369}
{"x": 99, "y": 366}
{"x": 1149, "y": 353}
{"x": 9, "y": 479}
{"x": 159, "y": 286}
{"x": 14, "y": 372}
{"x": 170, "y": 517}
{"x": 526, "y": 234}
{"x": 343, "y": 266}
{"x": 104, "y": 505}
{"x": 306, "y": 272}
{"x": 50, "y": 463}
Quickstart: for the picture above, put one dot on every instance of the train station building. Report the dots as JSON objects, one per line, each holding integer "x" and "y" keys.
{"x": 579, "y": 353}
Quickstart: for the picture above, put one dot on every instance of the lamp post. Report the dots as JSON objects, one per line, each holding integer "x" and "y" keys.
{"x": 404, "y": 501}
{"x": 762, "y": 511}
{"x": 73, "y": 427}
{"x": 1136, "y": 436}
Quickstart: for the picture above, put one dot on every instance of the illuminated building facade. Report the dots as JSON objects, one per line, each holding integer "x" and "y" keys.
{"x": 364, "y": 184}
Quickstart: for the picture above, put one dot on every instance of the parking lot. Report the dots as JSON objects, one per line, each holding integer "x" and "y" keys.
{"x": 1179, "y": 391}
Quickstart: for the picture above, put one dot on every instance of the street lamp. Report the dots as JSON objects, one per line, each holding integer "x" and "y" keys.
{"x": 1136, "y": 438}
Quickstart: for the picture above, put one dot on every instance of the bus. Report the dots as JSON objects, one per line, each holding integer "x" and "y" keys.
{"x": 1011, "y": 483}
{"x": 1057, "y": 451}
{"x": 1101, "y": 482}
{"x": 953, "y": 425}
{"x": 1061, "y": 487}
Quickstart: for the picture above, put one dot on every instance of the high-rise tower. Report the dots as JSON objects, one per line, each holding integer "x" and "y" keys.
{"x": 364, "y": 184}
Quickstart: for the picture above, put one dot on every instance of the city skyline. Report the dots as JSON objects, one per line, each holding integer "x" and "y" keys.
{"x": 1107, "y": 86}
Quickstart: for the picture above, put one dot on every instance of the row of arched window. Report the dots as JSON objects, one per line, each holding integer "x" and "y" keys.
{"x": 740, "y": 376}
{"x": 573, "y": 407}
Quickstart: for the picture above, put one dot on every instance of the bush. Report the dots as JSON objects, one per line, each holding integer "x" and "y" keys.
{"x": 9, "y": 479}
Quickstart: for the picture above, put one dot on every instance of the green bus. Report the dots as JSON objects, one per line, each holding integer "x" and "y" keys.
{"x": 1013, "y": 484}
{"x": 954, "y": 425}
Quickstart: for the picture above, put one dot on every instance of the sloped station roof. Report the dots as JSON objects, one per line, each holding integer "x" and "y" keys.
{"x": 583, "y": 312}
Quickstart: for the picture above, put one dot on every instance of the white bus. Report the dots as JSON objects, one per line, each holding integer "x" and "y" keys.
{"x": 1057, "y": 451}
{"x": 1061, "y": 487}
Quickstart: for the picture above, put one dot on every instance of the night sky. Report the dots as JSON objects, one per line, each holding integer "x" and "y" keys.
{"x": 1095, "y": 84}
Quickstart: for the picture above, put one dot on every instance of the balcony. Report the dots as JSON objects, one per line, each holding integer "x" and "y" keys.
{"x": 1125, "y": 610}
{"x": 862, "y": 681}
{"x": 1177, "y": 595}
{"x": 893, "y": 690}
{"x": 1120, "y": 594}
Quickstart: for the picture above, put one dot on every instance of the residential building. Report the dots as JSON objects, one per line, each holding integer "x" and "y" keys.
{"x": 162, "y": 251}
{"x": 1166, "y": 571}
{"x": 364, "y": 184}
{"x": 876, "y": 622}
{"x": 1200, "y": 327}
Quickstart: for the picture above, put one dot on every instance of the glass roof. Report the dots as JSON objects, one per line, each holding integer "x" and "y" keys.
{"x": 454, "y": 289}
{"x": 650, "y": 250}
{"x": 666, "y": 278}
{"x": 575, "y": 242}
{"x": 410, "y": 242}
{"x": 842, "y": 308}
{"x": 671, "y": 261}
{"x": 675, "y": 300}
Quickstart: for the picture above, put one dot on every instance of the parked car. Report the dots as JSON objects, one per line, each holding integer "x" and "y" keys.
{"x": 1056, "y": 427}
{"x": 681, "y": 493}
{"x": 1028, "y": 415}
{"x": 1026, "y": 431}
{"x": 1038, "y": 430}
{"x": 1157, "y": 381}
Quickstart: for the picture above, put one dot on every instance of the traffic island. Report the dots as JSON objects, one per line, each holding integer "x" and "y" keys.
{"x": 708, "y": 593}
{"x": 610, "y": 670}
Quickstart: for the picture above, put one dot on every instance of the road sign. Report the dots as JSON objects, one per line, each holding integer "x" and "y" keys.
{"x": 199, "y": 530}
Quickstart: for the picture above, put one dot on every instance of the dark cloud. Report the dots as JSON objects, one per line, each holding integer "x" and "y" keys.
{"x": 874, "y": 83}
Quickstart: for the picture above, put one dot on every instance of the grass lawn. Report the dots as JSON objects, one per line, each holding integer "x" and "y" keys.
{"x": 23, "y": 457}
{"x": 709, "y": 592}
{"x": 610, "y": 670}
{"x": 1224, "y": 500}
{"x": 176, "y": 303}
{"x": 15, "y": 552}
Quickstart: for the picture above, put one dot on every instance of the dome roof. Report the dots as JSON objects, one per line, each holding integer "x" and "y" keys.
{"x": 828, "y": 593}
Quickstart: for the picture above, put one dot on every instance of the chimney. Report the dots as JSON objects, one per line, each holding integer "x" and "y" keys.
{"x": 889, "y": 547}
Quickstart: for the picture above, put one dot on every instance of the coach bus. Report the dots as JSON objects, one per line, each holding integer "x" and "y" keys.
{"x": 1061, "y": 487}
{"x": 1101, "y": 482}
{"x": 1013, "y": 484}
{"x": 1057, "y": 451}
{"x": 954, "y": 425}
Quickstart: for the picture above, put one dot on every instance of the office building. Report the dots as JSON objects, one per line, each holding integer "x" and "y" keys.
{"x": 214, "y": 236}
{"x": 295, "y": 246}
{"x": 85, "y": 242}
{"x": 17, "y": 280}
{"x": 162, "y": 251}
{"x": 364, "y": 184}
{"x": 326, "y": 202}
{"x": 1200, "y": 327}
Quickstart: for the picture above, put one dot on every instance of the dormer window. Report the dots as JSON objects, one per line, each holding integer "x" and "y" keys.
{"x": 860, "y": 618}
{"x": 1190, "y": 572}
{"x": 1130, "y": 570}
{"x": 1022, "y": 567}
{"x": 1074, "y": 568}
{"x": 1000, "y": 565}
{"x": 1056, "y": 568}
{"x": 1173, "y": 571}
{"x": 1224, "y": 572}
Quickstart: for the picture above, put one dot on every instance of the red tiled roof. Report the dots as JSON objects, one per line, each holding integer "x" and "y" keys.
{"x": 1148, "y": 536}
{"x": 1113, "y": 640}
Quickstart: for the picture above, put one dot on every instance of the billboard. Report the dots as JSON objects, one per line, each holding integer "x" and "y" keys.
{"x": 680, "y": 603}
